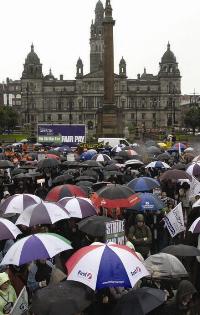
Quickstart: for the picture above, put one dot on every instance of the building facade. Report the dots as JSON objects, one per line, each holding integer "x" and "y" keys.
{"x": 148, "y": 101}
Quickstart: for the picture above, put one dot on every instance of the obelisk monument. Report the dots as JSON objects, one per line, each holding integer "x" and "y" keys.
{"x": 109, "y": 119}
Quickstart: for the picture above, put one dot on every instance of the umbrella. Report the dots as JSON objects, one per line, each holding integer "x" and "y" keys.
{"x": 179, "y": 166}
{"x": 8, "y": 230}
{"x": 174, "y": 175}
{"x": 85, "y": 178}
{"x": 178, "y": 146}
{"x": 164, "y": 156}
{"x": 59, "y": 192}
{"x": 153, "y": 150}
{"x": 63, "y": 179}
{"x": 43, "y": 213}
{"x": 115, "y": 196}
{"x": 90, "y": 173}
{"x": 126, "y": 154}
{"x": 17, "y": 203}
{"x": 195, "y": 227}
{"x": 54, "y": 153}
{"x": 72, "y": 164}
{"x": 63, "y": 149}
{"x": 140, "y": 301}
{"x": 143, "y": 184}
{"x": 164, "y": 265}
{"x": 99, "y": 185}
{"x": 150, "y": 143}
{"x": 113, "y": 167}
{"x": 88, "y": 155}
{"x": 135, "y": 163}
{"x": 148, "y": 202}
{"x": 110, "y": 174}
{"x": 105, "y": 265}
{"x": 190, "y": 149}
{"x": 162, "y": 145}
{"x": 52, "y": 156}
{"x": 17, "y": 171}
{"x": 92, "y": 163}
{"x": 34, "y": 247}
{"x": 196, "y": 159}
{"x": 194, "y": 169}
{"x": 94, "y": 225}
{"x": 6, "y": 164}
{"x": 101, "y": 158}
{"x": 65, "y": 298}
{"x": 78, "y": 207}
{"x": 48, "y": 163}
{"x": 157, "y": 164}
{"x": 181, "y": 250}
{"x": 84, "y": 184}
{"x": 117, "y": 148}
{"x": 22, "y": 176}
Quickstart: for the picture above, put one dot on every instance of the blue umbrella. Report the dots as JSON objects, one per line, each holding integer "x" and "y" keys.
{"x": 148, "y": 202}
{"x": 88, "y": 155}
{"x": 143, "y": 184}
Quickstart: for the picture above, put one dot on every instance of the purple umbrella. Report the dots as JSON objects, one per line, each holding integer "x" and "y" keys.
{"x": 195, "y": 227}
{"x": 78, "y": 207}
{"x": 8, "y": 230}
{"x": 17, "y": 203}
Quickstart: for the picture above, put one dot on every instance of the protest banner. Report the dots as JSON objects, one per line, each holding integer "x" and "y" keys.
{"x": 21, "y": 304}
{"x": 174, "y": 221}
{"x": 115, "y": 232}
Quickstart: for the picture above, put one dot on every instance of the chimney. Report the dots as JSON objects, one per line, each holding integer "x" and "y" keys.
{"x": 61, "y": 77}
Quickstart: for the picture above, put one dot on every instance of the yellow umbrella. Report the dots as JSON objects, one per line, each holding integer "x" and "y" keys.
{"x": 162, "y": 145}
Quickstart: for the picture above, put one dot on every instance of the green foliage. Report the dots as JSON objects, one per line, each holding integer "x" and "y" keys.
{"x": 192, "y": 118}
{"x": 8, "y": 118}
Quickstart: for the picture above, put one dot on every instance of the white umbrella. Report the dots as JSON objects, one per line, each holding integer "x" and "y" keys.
{"x": 157, "y": 164}
{"x": 78, "y": 207}
{"x": 17, "y": 203}
{"x": 134, "y": 162}
{"x": 8, "y": 230}
{"x": 43, "y": 213}
{"x": 34, "y": 247}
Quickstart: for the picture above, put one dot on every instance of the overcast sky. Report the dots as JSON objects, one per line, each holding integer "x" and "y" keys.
{"x": 60, "y": 32}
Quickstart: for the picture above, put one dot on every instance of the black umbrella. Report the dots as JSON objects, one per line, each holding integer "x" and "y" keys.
{"x": 181, "y": 250}
{"x": 6, "y": 164}
{"x": 72, "y": 164}
{"x": 48, "y": 163}
{"x": 22, "y": 176}
{"x": 99, "y": 185}
{"x": 153, "y": 150}
{"x": 65, "y": 298}
{"x": 140, "y": 301}
{"x": 63, "y": 179}
{"x": 164, "y": 156}
{"x": 92, "y": 163}
{"x": 17, "y": 171}
{"x": 112, "y": 167}
{"x": 179, "y": 166}
{"x": 90, "y": 173}
{"x": 86, "y": 178}
{"x": 84, "y": 183}
{"x": 94, "y": 225}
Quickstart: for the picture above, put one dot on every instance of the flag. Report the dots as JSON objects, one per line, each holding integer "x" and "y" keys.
{"x": 179, "y": 148}
{"x": 194, "y": 187}
{"x": 174, "y": 221}
{"x": 21, "y": 304}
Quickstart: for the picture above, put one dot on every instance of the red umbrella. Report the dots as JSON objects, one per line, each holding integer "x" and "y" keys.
{"x": 115, "y": 196}
{"x": 62, "y": 191}
{"x": 52, "y": 156}
{"x": 174, "y": 175}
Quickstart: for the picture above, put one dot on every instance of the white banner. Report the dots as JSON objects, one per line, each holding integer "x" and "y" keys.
{"x": 21, "y": 304}
{"x": 174, "y": 221}
{"x": 194, "y": 187}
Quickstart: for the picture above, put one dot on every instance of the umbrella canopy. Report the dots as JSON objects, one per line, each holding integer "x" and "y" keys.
{"x": 134, "y": 163}
{"x": 179, "y": 166}
{"x": 48, "y": 163}
{"x": 94, "y": 225}
{"x": 43, "y": 213}
{"x": 92, "y": 163}
{"x": 63, "y": 179}
{"x": 65, "y": 298}
{"x": 148, "y": 202}
{"x": 78, "y": 207}
{"x": 196, "y": 159}
{"x": 115, "y": 196}
{"x": 34, "y": 247}
{"x": 113, "y": 167}
{"x": 17, "y": 203}
{"x": 52, "y": 156}
{"x": 117, "y": 148}
{"x": 164, "y": 265}
{"x": 153, "y": 150}
{"x": 195, "y": 227}
{"x": 99, "y": 185}
{"x": 181, "y": 250}
{"x": 174, "y": 175}
{"x": 105, "y": 265}
{"x": 157, "y": 164}
{"x": 101, "y": 158}
{"x": 8, "y": 230}
{"x": 194, "y": 169}
{"x": 88, "y": 155}
{"x": 140, "y": 301}
{"x": 178, "y": 146}
{"x": 143, "y": 184}
{"x": 59, "y": 192}
{"x": 86, "y": 178}
{"x": 6, "y": 164}
{"x": 164, "y": 156}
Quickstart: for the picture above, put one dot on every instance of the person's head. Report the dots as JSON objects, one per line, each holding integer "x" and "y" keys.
{"x": 6, "y": 194}
{"x": 185, "y": 294}
{"x": 139, "y": 219}
{"x": 4, "y": 281}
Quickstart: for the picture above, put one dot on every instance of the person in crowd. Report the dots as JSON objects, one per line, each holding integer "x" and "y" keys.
{"x": 140, "y": 235}
{"x": 6, "y": 194}
{"x": 7, "y": 294}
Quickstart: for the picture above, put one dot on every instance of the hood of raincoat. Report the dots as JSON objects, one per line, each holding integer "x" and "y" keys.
{"x": 185, "y": 288}
{"x": 3, "y": 278}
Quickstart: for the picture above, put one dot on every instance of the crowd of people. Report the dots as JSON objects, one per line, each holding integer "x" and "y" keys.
{"x": 39, "y": 169}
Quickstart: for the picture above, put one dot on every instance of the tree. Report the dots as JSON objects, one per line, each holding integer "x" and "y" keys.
{"x": 8, "y": 118}
{"x": 192, "y": 118}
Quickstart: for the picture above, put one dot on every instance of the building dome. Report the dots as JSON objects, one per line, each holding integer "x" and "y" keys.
{"x": 122, "y": 61}
{"x": 168, "y": 56}
{"x": 32, "y": 57}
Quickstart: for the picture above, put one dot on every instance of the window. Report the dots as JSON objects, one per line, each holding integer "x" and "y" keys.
{"x": 59, "y": 116}
{"x": 143, "y": 115}
{"x": 132, "y": 116}
{"x": 154, "y": 115}
{"x": 32, "y": 118}
{"x": 49, "y": 117}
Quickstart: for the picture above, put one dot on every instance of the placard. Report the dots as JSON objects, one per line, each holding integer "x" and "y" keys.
{"x": 115, "y": 232}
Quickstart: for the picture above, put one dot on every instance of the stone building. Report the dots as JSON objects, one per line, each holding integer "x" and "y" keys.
{"x": 148, "y": 101}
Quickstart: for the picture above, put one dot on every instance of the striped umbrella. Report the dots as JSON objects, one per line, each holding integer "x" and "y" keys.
{"x": 43, "y": 213}
{"x": 106, "y": 265}
{"x": 62, "y": 191}
{"x": 101, "y": 158}
{"x": 195, "y": 227}
{"x": 34, "y": 247}
{"x": 17, "y": 203}
{"x": 78, "y": 207}
{"x": 194, "y": 169}
{"x": 8, "y": 230}
{"x": 143, "y": 184}
{"x": 157, "y": 164}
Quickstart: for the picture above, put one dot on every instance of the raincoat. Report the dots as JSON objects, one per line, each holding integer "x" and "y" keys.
{"x": 7, "y": 295}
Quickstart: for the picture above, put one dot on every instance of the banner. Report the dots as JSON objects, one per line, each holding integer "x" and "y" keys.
{"x": 194, "y": 187}
{"x": 115, "y": 232}
{"x": 21, "y": 304}
{"x": 174, "y": 221}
